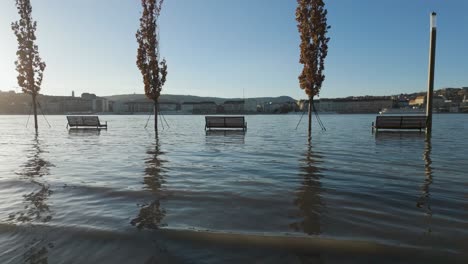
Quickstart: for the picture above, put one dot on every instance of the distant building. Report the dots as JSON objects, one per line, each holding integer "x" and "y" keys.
{"x": 168, "y": 106}
{"x": 354, "y": 105}
{"x": 220, "y": 109}
{"x": 251, "y": 105}
{"x": 15, "y": 103}
{"x": 119, "y": 107}
{"x": 303, "y": 105}
{"x": 140, "y": 106}
{"x": 454, "y": 109}
{"x": 272, "y": 107}
{"x": 402, "y": 103}
{"x": 438, "y": 102}
{"x": 88, "y": 96}
{"x": 65, "y": 105}
{"x": 207, "y": 107}
{"x": 234, "y": 106}
{"x": 464, "y": 105}
{"x": 418, "y": 101}
{"x": 76, "y": 105}
{"x": 53, "y": 105}
{"x": 465, "y": 91}
{"x": 187, "y": 107}
{"x": 100, "y": 105}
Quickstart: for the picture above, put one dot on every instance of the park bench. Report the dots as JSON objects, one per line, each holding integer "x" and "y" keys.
{"x": 225, "y": 122}
{"x": 85, "y": 121}
{"x": 399, "y": 122}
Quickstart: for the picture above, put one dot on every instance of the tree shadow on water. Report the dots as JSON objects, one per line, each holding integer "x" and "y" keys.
{"x": 35, "y": 208}
{"x": 151, "y": 214}
{"x": 308, "y": 196}
{"x": 309, "y": 201}
{"x": 35, "y": 203}
{"x": 37, "y": 252}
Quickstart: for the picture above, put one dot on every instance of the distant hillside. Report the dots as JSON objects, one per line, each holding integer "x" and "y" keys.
{"x": 192, "y": 98}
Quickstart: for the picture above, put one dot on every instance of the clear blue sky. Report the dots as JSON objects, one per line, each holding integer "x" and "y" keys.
{"x": 222, "y": 48}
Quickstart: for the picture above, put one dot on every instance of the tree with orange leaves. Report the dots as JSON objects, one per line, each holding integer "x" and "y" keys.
{"x": 153, "y": 71}
{"x": 311, "y": 16}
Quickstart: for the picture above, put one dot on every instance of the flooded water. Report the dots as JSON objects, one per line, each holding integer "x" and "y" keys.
{"x": 264, "y": 196}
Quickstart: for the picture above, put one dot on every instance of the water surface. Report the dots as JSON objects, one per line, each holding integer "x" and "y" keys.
{"x": 267, "y": 195}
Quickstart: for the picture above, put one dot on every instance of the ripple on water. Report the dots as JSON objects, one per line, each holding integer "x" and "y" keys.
{"x": 97, "y": 192}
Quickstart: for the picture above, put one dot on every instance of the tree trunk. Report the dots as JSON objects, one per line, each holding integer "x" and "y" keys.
{"x": 310, "y": 117}
{"x": 35, "y": 110}
{"x": 156, "y": 116}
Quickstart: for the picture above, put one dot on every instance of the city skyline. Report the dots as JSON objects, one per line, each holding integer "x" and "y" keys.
{"x": 246, "y": 48}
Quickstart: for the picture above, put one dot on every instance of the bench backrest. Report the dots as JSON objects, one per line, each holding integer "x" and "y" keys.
{"x": 91, "y": 120}
{"x": 225, "y": 121}
{"x": 214, "y": 121}
{"x": 403, "y": 122}
{"x": 75, "y": 120}
{"x": 83, "y": 120}
{"x": 234, "y": 121}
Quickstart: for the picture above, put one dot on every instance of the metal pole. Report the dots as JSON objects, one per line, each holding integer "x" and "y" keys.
{"x": 430, "y": 85}
{"x": 156, "y": 116}
{"x": 310, "y": 117}
{"x": 35, "y": 110}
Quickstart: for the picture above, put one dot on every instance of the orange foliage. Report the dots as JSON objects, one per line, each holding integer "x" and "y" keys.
{"x": 153, "y": 71}
{"x": 312, "y": 25}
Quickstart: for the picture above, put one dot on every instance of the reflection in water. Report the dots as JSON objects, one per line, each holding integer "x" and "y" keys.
{"x": 402, "y": 139}
{"x": 151, "y": 214}
{"x": 424, "y": 200}
{"x": 36, "y": 208}
{"x": 225, "y": 136}
{"x": 308, "y": 198}
{"x": 35, "y": 203}
{"x": 37, "y": 252}
{"x": 393, "y": 135}
{"x": 84, "y": 131}
{"x": 36, "y": 257}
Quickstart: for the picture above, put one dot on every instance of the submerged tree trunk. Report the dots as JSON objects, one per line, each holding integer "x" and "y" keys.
{"x": 156, "y": 116}
{"x": 34, "y": 105}
{"x": 310, "y": 117}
